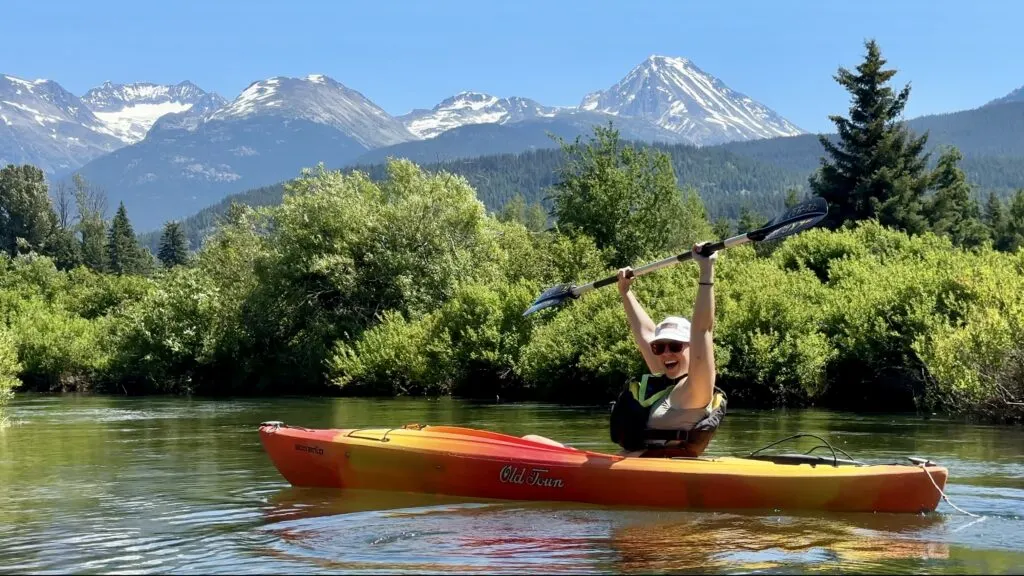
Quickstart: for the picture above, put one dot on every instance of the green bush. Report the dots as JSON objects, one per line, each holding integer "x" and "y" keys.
{"x": 166, "y": 341}
{"x": 390, "y": 359}
{"x": 9, "y": 367}
{"x": 769, "y": 344}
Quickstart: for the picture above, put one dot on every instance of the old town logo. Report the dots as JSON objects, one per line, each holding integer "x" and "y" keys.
{"x": 531, "y": 477}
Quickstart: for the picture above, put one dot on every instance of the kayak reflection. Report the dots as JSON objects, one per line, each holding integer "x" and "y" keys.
{"x": 613, "y": 539}
{"x": 865, "y": 543}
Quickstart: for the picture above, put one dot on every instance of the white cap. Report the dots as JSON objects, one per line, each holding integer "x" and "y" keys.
{"x": 673, "y": 328}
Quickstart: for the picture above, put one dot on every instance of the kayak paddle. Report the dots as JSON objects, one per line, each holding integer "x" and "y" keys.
{"x": 798, "y": 218}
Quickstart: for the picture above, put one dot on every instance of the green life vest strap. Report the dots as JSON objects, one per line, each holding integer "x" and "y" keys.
{"x": 641, "y": 393}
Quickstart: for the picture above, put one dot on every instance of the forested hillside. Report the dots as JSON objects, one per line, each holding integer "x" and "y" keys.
{"x": 725, "y": 181}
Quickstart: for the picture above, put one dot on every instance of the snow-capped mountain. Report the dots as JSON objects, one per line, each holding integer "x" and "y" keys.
{"x": 319, "y": 99}
{"x": 677, "y": 95}
{"x": 269, "y": 133}
{"x": 467, "y": 108}
{"x": 43, "y": 124}
{"x": 130, "y": 110}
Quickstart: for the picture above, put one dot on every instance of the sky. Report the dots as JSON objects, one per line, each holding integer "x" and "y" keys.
{"x": 405, "y": 54}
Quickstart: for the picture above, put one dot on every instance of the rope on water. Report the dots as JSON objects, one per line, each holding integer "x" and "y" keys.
{"x": 924, "y": 467}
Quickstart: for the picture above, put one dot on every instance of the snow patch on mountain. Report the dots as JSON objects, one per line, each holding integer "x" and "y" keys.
{"x": 468, "y": 107}
{"x": 129, "y": 110}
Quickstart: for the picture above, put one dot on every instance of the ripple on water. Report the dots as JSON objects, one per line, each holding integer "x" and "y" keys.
{"x": 155, "y": 486}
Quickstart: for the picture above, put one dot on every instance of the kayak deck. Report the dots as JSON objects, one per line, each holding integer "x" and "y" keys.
{"x": 468, "y": 462}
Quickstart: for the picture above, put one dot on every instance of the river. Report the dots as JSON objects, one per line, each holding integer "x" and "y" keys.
{"x": 96, "y": 484}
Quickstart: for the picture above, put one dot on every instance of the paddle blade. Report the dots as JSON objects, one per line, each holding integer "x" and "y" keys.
{"x": 796, "y": 219}
{"x": 551, "y": 297}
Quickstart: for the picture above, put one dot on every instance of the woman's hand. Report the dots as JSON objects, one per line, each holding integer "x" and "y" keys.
{"x": 625, "y": 281}
{"x": 705, "y": 263}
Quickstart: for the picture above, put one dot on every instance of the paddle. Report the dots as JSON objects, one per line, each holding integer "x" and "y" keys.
{"x": 798, "y": 218}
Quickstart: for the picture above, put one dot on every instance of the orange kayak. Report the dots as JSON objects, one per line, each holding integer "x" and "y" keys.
{"x": 473, "y": 463}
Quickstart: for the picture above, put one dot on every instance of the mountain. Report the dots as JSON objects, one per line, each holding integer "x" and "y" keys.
{"x": 663, "y": 99}
{"x": 677, "y": 95}
{"x": 321, "y": 100}
{"x": 269, "y": 133}
{"x": 485, "y": 139}
{"x": 467, "y": 108}
{"x": 130, "y": 110}
{"x": 175, "y": 172}
{"x": 1015, "y": 96}
{"x": 988, "y": 132}
{"x": 43, "y": 124}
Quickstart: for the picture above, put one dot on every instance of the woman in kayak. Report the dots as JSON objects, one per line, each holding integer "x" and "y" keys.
{"x": 681, "y": 398}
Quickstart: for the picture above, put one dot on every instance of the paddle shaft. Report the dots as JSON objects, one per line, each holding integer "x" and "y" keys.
{"x": 670, "y": 261}
{"x": 797, "y": 218}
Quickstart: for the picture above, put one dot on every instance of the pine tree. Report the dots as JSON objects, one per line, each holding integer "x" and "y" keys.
{"x": 124, "y": 253}
{"x": 952, "y": 212}
{"x": 722, "y": 228}
{"x": 749, "y": 220}
{"x": 1014, "y": 231}
{"x": 877, "y": 168}
{"x": 995, "y": 219}
{"x": 173, "y": 246}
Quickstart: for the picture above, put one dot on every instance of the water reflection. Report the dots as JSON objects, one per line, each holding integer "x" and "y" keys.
{"x": 445, "y": 533}
{"x": 106, "y": 484}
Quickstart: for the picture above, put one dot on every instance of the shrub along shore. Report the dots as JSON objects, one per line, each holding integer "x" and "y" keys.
{"x": 908, "y": 298}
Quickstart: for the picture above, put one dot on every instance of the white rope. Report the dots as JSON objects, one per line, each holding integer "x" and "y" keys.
{"x": 943, "y": 494}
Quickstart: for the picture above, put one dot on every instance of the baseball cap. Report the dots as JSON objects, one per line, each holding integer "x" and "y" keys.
{"x": 673, "y": 328}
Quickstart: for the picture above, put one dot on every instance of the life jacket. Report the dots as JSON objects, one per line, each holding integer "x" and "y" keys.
{"x": 632, "y": 408}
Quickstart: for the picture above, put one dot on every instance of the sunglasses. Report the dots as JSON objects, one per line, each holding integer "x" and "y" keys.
{"x": 659, "y": 347}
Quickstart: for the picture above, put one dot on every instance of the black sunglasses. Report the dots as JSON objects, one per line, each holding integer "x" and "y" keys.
{"x": 659, "y": 347}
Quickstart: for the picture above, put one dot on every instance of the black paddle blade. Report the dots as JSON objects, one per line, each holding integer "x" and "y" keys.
{"x": 551, "y": 297}
{"x": 798, "y": 218}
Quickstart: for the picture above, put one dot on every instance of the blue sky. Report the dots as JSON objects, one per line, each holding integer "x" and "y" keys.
{"x": 413, "y": 53}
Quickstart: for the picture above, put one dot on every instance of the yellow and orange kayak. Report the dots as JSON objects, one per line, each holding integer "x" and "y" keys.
{"x": 475, "y": 463}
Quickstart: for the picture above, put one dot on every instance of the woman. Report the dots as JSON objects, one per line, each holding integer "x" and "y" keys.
{"x": 682, "y": 356}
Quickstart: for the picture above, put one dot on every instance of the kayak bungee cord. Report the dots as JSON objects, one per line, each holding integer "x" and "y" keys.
{"x": 825, "y": 444}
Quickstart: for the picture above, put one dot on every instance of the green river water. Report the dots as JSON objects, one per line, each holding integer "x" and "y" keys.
{"x": 170, "y": 485}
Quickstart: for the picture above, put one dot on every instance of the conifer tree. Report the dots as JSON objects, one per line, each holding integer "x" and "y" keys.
{"x": 877, "y": 168}
{"x": 124, "y": 252}
{"x": 749, "y": 220}
{"x": 173, "y": 245}
{"x": 995, "y": 219}
{"x": 1013, "y": 238}
{"x": 952, "y": 212}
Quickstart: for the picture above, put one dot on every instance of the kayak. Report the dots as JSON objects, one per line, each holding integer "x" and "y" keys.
{"x": 468, "y": 462}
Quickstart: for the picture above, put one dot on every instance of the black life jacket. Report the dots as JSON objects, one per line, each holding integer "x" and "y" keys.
{"x": 632, "y": 408}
